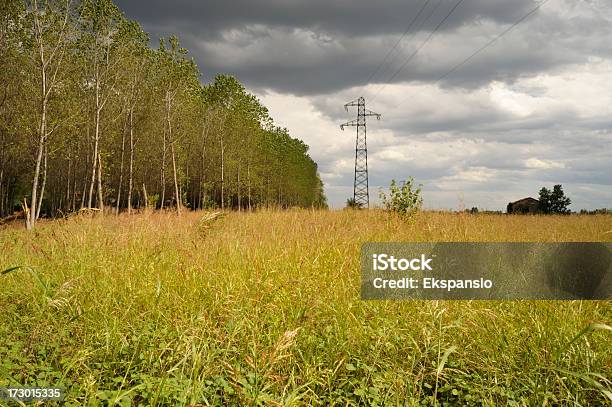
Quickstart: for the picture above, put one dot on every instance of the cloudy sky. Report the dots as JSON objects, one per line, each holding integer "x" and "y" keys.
{"x": 532, "y": 109}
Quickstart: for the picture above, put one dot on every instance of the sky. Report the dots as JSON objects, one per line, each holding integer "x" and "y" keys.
{"x": 532, "y": 109}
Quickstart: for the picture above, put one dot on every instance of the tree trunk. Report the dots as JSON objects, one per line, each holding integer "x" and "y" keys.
{"x": 84, "y": 194}
{"x": 176, "y": 187}
{"x": 121, "y": 171}
{"x": 1, "y": 193}
{"x": 222, "y": 177}
{"x": 95, "y": 165}
{"x": 95, "y": 161}
{"x": 74, "y": 187}
{"x": 279, "y": 196}
{"x": 163, "y": 172}
{"x": 93, "y": 175}
{"x": 131, "y": 180}
{"x": 44, "y": 183}
{"x": 202, "y": 167}
{"x": 84, "y": 188}
{"x": 239, "y": 203}
{"x": 31, "y": 216}
{"x": 268, "y": 192}
{"x": 249, "y": 181}
{"x": 68, "y": 183}
{"x": 145, "y": 196}
{"x": 170, "y": 139}
{"x": 100, "y": 195}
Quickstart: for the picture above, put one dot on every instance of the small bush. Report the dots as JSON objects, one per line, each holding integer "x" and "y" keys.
{"x": 404, "y": 200}
{"x": 153, "y": 200}
{"x": 351, "y": 203}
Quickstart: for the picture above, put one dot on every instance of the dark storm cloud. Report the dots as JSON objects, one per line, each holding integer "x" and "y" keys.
{"x": 322, "y": 46}
{"x": 352, "y": 18}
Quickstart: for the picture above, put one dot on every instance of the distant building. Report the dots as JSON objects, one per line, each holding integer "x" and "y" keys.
{"x": 524, "y": 206}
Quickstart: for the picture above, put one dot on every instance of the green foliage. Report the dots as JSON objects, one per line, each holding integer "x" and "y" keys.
{"x": 154, "y": 121}
{"x": 352, "y": 204}
{"x": 404, "y": 199}
{"x": 153, "y": 200}
{"x": 554, "y": 202}
{"x": 600, "y": 211}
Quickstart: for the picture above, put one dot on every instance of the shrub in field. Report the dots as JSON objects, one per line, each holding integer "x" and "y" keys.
{"x": 153, "y": 200}
{"x": 351, "y": 203}
{"x": 208, "y": 203}
{"x": 404, "y": 199}
{"x": 207, "y": 221}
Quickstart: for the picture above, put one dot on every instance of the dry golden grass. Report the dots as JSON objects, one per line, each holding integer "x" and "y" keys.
{"x": 264, "y": 308}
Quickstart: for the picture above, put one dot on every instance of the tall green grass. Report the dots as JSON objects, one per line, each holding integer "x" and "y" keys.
{"x": 264, "y": 309}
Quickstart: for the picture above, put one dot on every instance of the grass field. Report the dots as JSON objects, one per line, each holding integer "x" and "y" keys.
{"x": 264, "y": 308}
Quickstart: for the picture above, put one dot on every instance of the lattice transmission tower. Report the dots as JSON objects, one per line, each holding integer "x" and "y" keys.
{"x": 360, "y": 187}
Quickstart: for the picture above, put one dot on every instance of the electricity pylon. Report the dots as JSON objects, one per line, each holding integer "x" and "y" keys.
{"x": 360, "y": 187}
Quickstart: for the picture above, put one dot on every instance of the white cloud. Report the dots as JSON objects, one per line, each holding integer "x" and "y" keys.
{"x": 535, "y": 163}
{"x": 489, "y": 146}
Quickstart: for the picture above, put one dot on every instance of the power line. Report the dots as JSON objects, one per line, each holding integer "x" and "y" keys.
{"x": 493, "y": 41}
{"x": 423, "y": 21}
{"x": 482, "y": 48}
{"x": 418, "y": 29}
{"x": 398, "y": 41}
{"x": 416, "y": 51}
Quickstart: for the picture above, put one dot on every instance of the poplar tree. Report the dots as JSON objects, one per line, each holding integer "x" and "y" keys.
{"x": 91, "y": 116}
{"x": 50, "y": 22}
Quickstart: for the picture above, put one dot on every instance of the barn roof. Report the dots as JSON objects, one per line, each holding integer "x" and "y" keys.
{"x": 526, "y": 200}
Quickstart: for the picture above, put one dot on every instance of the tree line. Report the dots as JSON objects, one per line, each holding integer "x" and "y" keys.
{"x": 92, "y": 117}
